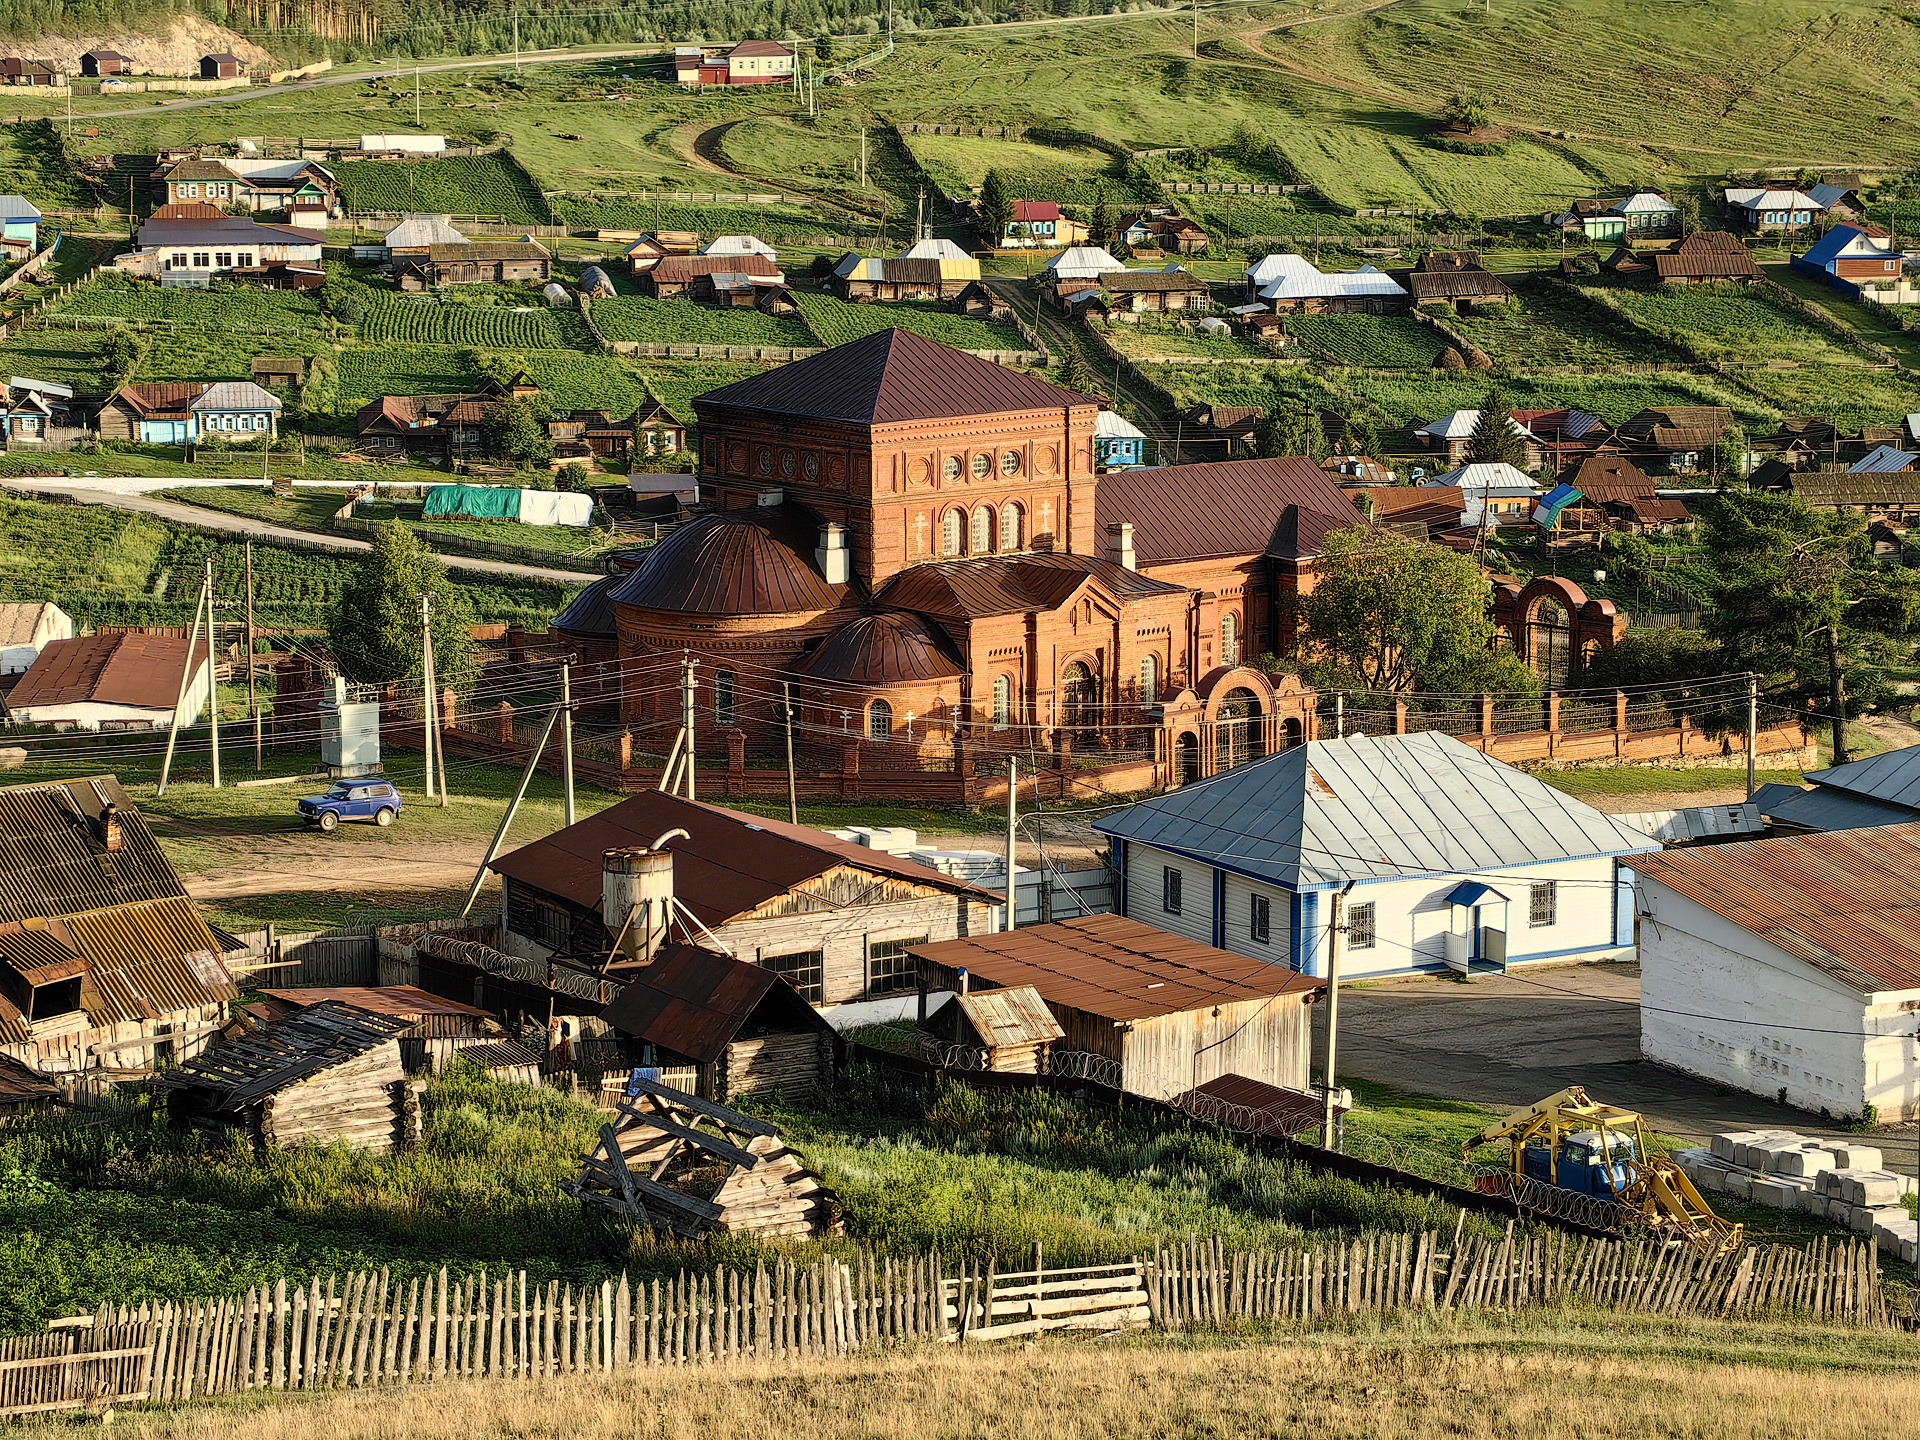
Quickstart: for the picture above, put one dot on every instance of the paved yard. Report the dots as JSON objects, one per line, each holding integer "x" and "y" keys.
{"x": 1509, "y": 1040}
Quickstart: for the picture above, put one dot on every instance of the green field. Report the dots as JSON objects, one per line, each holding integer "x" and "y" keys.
{"x": 682, "y": 322}
{"x": 835, "y": 322}
{"x": 1074, "y": 175}
{"x": 492, "y": 186}
{"x": 227, "y": 308}
{"x": 497, "y": 317}
{"x": 1729, "y": 322}
{"x": 674, "y": 384}
{"x": 66, "y": 357}
{"x": 776, "y": 224}
{"x": 309, "y": 509}
{"x": 368, "y": 373}
{"x": 1546, "y": 324}
{"x": 1382, "y": 341}
{"x": 1152, "y": 339}
{"x": 1850, "y": 397}
{"x": 1403, "y": 399}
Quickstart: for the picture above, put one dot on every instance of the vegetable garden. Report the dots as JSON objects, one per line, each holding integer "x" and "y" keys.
{"x": 1544, "y": 326}
{"x": 834, "y": 322}
{"x": 1729, "y": 323}
{"x": 225, "y": 307}
{"x": 503, "y": 319}
{"x": 491, "y": 185}
{"x": 777, "y": 224}
{"x": 1393, "y": 342}
{"x": 680, "y": 321}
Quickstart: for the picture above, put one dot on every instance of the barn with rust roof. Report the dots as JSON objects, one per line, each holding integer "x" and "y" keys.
{"x": 916, "y": 539}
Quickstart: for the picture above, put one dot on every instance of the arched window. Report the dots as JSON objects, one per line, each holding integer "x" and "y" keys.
{"x": 1079, "y": 700}
{"x": 1149, "y": 681}
{"x": 952, "y": 534}
{"x": 983, "y": 530}
{"x": 723, "y": 697}
{"x": 1002, "y": 702}
{"x": 1010, "y": 527}
{"x": 879, "y": 720}
{"x": 1229, "y": 639}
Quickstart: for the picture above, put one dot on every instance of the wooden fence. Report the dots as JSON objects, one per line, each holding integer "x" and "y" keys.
{"x": 371, "y": 1329}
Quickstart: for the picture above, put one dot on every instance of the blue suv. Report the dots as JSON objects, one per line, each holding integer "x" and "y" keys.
{"x": 375, "y": 800}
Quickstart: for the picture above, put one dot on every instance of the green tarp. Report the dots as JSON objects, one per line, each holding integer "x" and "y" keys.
{"x": 473, "y": 502}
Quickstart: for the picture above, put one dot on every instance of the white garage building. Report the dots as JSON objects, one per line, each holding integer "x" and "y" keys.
{"x": 111, "y": 682}
{"x": 1788, "y": 967}
{"x": 1449, "y": 859}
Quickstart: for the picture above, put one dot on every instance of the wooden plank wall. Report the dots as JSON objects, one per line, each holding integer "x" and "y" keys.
{"x": 368, "y": 1329}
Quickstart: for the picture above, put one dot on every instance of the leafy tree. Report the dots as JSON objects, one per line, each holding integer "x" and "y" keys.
{"x": 575, "y": 477}
{"x": 1799, "y": 602}
{"x": 1247, "y": 145}
{"x": 374, "y": 630}
{"x": 1730, "y": 454}
{"x": 995, "y": 207}
{"x": 1103, "y": 226}
{"x": 1688, "y": 204}
{"x": 1494, "y": 439}
{"x": 513, "y": 432}
{"x": 1661, "y": 663}
{"x": 1468, "y": 110}
{"x": 1394, "y": 614}
{"x": 1290, "y": 427}
{"x": 823, "y": 48}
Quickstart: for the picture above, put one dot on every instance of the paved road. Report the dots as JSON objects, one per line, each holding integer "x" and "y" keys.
{"x": 194, "y": 515}
{"x": 1509, "y": 1040}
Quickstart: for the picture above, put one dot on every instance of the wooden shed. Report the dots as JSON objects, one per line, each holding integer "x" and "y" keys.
{"x": 329, "y": 1074}
{"x": 1157, "y": 1014}
{"x": 1011, "y": 1028}
{"x": 437, "y": 1028}
{"x": 278, "y": 371}
{"x": 742, "y": 1028}
{"x": 656, "y": 1165}
{"x": 24, "y": 1090}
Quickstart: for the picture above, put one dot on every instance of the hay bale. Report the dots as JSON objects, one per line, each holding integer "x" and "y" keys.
{"x": 1449, "y": 359}
{"x": 1478, "y": 359}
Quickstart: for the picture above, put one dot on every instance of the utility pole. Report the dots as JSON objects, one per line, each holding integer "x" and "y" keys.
{"x": 1013, "y": 801}
{"x": 416, "y": 97}
{"x": 1837, "y": 690}
{"x": 180, "y": 698}
{"x": 863, "y": 157}
{"x": 1334, "y": 931}
{"x": 516, "y": 40}
{"x": 1196, "y": 29}
{"x": 793, "y": 790}
{"x": 427, "y": 715}
{"x": 920, "y": 214}
{"x": 253, "y": 702}
{"x": 686, "y": 722}
{"x": 566, "y": 735}
{"x": 1340, "y": 714}
{"x": 506, "y": 820}
{"x": 1753, "y": 726}
{"x": 213, "y": 681}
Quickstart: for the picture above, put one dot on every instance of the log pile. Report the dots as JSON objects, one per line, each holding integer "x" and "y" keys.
{"x": 656, "y": 1165}
{"x": 791, "y": 1063}
{"x": 330, "y": 1073}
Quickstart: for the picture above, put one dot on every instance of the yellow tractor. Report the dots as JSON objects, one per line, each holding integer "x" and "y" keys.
{"x": 1589, "y": 1162}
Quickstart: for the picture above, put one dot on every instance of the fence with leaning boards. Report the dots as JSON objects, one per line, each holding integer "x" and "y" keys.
{"x": 370, "y": 1329}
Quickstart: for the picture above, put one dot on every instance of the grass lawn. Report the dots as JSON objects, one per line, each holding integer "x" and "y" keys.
{"x": 1729, "y": 323}
{"x": 1648, "y": 779}
{"x": 835, "y": 322}
{"x": 1851, "y": 313}
{"x": 1157, "y": 340}
{"x": 1545, "y": 325}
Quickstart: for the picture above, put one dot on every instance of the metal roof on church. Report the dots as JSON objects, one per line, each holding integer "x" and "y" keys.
{"x": 1224, "y": 507}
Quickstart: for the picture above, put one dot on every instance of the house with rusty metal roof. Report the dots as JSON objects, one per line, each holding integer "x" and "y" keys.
{"x": 740, "y": 1028}
{"x": 1787, "y": 967}
{"x": 1137, "y": 1008}
{"x": 112, "y": 682}
{"x": 1675, "y": 438}
{"x": 832, "y": 917}
{"x": 1454, "y": 278}
{"x": 105, "y": 963}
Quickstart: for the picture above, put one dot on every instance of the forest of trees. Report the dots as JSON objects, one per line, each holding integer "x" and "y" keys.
{"x": 359, "y": 29}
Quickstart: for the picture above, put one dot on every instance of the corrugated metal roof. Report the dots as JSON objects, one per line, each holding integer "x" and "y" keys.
{"x": 235, "y": 395}
{"x": 1883, "y": 460}
{"x": 886, "y": 378}
{"x": 1372, "y": 809}
{"x": 1013, "y": 1016}
{"x": 18, "y": 207}
{"x": 730, "y": 864}
{"x": 1825, "y": 808}
{"x": 1115, "y": 968}
{"x": 407, "y": 1001}
{"x": 1082, "y": 262}
{"x": 693, "y": 1002}
{"x": 1839, "y": 487}
{"x": 1893, "y": 777}
{"x": 1225, "y": 507}
{"x": 888, "y": 649}
{"x": 1847, "y": 903}
{"x": 149, "y": 959}
{"x": 52, "y": 860}
{"x": 734, "y": 562}
{"x": 417, "y": 232}
{"x": 1009, "y": 584}
{"x": 136, "y": 670}
{"x": 684, "y": 269}
{"x": 1294, "y": 277}
{"x": 1696, "y": 822}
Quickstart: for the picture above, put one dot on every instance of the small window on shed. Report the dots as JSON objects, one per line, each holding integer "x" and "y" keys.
{"x": 1170, "y": 890}
{"x": 1260, "y": 922}
{"x": 802, "y": 970}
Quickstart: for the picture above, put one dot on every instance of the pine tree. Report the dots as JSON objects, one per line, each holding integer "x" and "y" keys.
{"x": 1494, "y": 438}
{"x": 1361, "y": 437}
{"x": 823, "y": 48}
{"x": 1103, "y": 227}
{"x": 1075, "y": 373}
{"x": 995, "y": 207}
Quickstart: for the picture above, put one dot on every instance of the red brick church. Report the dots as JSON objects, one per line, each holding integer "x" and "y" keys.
{"x": 917, "y": 541}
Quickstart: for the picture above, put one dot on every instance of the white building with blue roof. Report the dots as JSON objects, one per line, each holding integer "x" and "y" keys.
{"x": 1448, "y": 858}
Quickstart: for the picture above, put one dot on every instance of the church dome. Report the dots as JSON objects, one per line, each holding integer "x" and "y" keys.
{"x": 893, "y": 648}
{"x": 732, "y": 562}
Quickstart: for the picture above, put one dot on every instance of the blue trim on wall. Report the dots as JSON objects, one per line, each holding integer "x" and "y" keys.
{"x": 1120, "y": 879}
{"x": 1294, "y": 960}
{"x": 1309, "y": 933}
{"x": 1219, "y": 909}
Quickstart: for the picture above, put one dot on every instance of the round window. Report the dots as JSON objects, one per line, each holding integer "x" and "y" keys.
{"x": 952, "y": 468}
{"x": 766, "y": 460}
{"x": 982, "y": 466}
{"x": 1010, "y": 463}
{"x": 812, "y": 466}
{"x": 786, "y": 463}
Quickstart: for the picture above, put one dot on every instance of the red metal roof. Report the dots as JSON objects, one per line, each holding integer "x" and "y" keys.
{"x": 886, "y": 378}
{"x": 683, "y": 269}
{"x": 758, "y": 47}
{"x": 734, "y": 562}
{"x": 1116, "y": 968}
{"x": 693, "y": 1002}
{"x": 1226, "y": 507}
{"x": 1009, "y": 584}
{"x": 1027, "y": 212}
{"x": 1847, "y": 902}
{"x": 731, "y": 863}
{"x": 889, "y": 649}
{"x": 407, "y": 1001}
{"x": 161, "y": 397}
{"x": 137, "y": 670}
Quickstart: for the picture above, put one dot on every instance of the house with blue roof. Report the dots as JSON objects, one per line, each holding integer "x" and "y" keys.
{"x": 1860, "y": 259}
{"x": 1447, "y": 859}
{"x": 1880, "y": 790}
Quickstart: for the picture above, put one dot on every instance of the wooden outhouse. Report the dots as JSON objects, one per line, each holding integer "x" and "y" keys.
{"x": 1153, "y": 1013}
{"x": 328, "y": 1074}
{"x": 1011, "y": 1028}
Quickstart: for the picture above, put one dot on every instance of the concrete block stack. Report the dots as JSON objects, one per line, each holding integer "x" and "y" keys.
{"x": 1843, "y": 1183}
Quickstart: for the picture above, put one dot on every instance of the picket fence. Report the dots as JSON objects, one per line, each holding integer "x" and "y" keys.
{"x": 372, "y": 1330}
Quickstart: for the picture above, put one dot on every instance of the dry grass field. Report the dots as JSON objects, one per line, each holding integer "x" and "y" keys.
{"x": 1466, "y": 1379}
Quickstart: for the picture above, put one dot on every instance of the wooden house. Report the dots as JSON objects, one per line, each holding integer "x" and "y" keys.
{"x": 1707, "y": 257}
{"x": 774, "y": 300}
{"x": 505, "y": 1060}
{"x": 1157, "y": 290}
{"x": 477, "y": 262}
{"x": 24, "y": 1091}
{"x": 977, "y": 301}
{"x": 655, "y": 1166}
{"x": 221, "y": 67}
{"x": 278, "y": 372}
{"x": 1011, "y": 1028}
{"x": 99, "y": 63}
{"x": 673, "y": 275}
{"x": 105, "y": 963}
{"x": 1165, "y": 1013}
{"x": 656, "y": 245}
{"x": 742, "y": 1029}
{"x": 1455, "y": 278}
{"x": 437, "y": 1028}
{"x": 329, "y": 1074}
